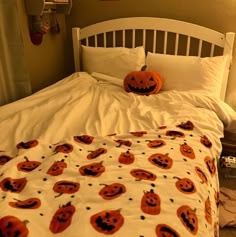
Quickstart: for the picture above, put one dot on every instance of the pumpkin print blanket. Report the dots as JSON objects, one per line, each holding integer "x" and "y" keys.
{"x": 84, "y": 158}
{"x": 144, "y": 183}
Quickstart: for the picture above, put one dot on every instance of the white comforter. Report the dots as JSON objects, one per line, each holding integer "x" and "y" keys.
{"x": 81, "y": 104}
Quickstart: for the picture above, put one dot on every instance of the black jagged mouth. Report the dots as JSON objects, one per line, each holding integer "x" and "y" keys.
{"x": 142, "y": 90}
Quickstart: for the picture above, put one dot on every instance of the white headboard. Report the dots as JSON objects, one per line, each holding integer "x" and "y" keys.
{"x": 160, "y": 35}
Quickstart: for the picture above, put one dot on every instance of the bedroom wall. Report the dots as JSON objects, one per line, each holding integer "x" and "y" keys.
{"x": 45, "y": 62}
{"x": 218, "y": 14}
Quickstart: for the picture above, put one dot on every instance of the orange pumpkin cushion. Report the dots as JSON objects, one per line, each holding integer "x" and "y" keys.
{"x": 143, "y": 82}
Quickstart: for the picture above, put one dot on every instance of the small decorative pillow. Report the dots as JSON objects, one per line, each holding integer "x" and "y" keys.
{"x": 143, "y": 82}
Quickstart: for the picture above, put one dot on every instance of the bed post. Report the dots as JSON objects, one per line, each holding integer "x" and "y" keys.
{"x": 229, "y": 43}
{"x": 76, "y": 47}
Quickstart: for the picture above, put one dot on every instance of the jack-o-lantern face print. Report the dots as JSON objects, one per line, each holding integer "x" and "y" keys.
{"x": 57, "y": 168}
{"x": 151, "y": 203}
{"x": 124, "y": 142}
{"x": 188, "y": 218}
{"x": 84, "y": 139}
{"x": 186, "y": 125}
{"x": 210, "y": 165}
{"x": 163, "y": 230}
{"x": 161, "y": 160}
{"x": 27, "y": 145}
{"x": 208, "y": 211}
{"x": 140, "y": 174}
{"x": 126, "y": 158}
{"x": 4, "y": 159}
{"x": 30, "y": 203}
{"x": 173, "y": 133}
{"x": 96, "y": 153}
{"x": 156, "y": 143}
{"x": 139, "y": 133}
{"x": 64, "y": 148}
{"x": 65, "y": 186}
{"x": 112, "y": 191}
{"x": 92, "y": 170}
{"x": 11, "y": 226}
{"x": 201, "y": 174}
{"x": 13, "y": 185}
{"x": 205, "y": 141}
{"x": 185, "y": 185}
{"x": 62, "y": 218}
{"x": 28, "y": 166}
{"x": 187, "y": 151}
{"x": 107, "y": 222}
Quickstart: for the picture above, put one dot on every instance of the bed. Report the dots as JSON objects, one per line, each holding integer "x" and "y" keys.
{"x": 96, "y": 154}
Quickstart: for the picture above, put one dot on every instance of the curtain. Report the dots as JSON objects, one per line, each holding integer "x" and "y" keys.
{"x": 14, "y": 77}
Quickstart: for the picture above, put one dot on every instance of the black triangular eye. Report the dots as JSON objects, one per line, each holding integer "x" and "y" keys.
{"x": 151, "y": 79}
{"x": 132, "y": 79}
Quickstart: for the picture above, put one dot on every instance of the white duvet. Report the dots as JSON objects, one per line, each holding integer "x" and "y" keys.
{"x": 84, "y": 104}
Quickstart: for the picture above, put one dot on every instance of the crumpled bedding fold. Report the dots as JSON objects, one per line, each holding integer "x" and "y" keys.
{"x": 227, "y": 207}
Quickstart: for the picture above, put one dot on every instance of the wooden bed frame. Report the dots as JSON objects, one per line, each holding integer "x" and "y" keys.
{"x": 166, "y": 36}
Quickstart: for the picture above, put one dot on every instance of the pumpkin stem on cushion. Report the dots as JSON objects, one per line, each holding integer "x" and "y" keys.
{"x": 144, "y": 68}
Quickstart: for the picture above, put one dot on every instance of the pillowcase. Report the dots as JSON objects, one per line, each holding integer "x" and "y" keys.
{"x": 115, "y": 62}
{"x": 189, "y": 72}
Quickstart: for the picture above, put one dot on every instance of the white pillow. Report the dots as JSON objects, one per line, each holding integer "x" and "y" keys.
{"x": 116, "y": 62}
{"x": 189, "y": 72}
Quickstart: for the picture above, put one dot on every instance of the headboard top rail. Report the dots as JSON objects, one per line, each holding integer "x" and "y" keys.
{"x": 153, "y": 23}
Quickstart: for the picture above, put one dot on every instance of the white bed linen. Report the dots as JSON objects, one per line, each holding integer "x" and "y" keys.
{"x": 81, "y": 104}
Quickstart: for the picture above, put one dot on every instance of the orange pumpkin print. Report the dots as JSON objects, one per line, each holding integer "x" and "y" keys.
{"x": 143, "y": 82}
{"x": 112, "y": 191}
{"x": 143, "y": 174}
{"x": 30, "y": 203}
{"x": 107, "y": 222}
{"x": 12, "y": 226}
{"x": 65, "y": 186}
{"x": 188, "y": 218}
{"x": 13, "y": 185}
{"x": 64, "y": 148}
{"x": 126, "y": 158}
{"x": 205, "y": 141}
{"x": 208, "y": 211}
{"x": 84, "y": 139}
{"x": 62, "y": 218}
{"x": 27, "y": 165}
{"x": 96, "y": 153}
{"x": 173, "y": 133}
{"x": 4, "y": 159}
{"x": 163, "y": 230}
{"x": 151, "y": 203}
{"x": 162, "y": 161}
{"x": 57, "y": 168}
{"x": 123, "y": 142}
{"x": 156, "y": 143}
{"x": 187, "y": 151}
{"x": 185, "y": 185}
{"x": 138, "y": 133}
{"x": 210, "y": 165}
{"x": 201, "y": 175}
{"x": 27, "y": 145}
{"x": 186, "y": 125}
{"x": 92, "y": 170}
